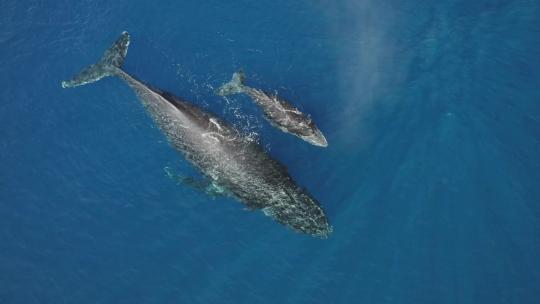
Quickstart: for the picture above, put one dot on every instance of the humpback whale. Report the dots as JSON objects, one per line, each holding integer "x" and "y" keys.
{"x": 278, "y": 112}
{"x": 222, "y": 153}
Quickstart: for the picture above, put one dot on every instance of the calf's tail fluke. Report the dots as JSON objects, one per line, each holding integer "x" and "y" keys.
{"x": 235, "y": 86}
{"x": 106, "y": 66}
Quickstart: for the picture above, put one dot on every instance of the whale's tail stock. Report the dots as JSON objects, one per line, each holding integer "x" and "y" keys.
{"x": 235, "y": 86}
{"x": 113, "y": 58}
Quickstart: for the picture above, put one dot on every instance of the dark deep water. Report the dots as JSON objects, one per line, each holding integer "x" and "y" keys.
{"x": 431, "y": 179}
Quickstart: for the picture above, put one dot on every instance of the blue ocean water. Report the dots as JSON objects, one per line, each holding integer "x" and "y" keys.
{"x": 431, "y": 177}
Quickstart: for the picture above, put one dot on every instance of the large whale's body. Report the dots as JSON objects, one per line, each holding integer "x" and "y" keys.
{"x": 219, "y": 151}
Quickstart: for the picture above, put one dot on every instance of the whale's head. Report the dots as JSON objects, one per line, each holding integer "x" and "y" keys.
{"x": 314, "y": 136}
{"x": 301, "y": 212}
{"x": 317, "y": 139}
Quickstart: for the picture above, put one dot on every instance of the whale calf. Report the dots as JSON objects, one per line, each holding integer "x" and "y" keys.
{"x": 224, "y": 155}
{"x": 278, "y": 112}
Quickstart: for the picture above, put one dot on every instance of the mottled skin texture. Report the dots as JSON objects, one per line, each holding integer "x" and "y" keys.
{"x": 231, "y": 160}
{"x": 224, "y": 155}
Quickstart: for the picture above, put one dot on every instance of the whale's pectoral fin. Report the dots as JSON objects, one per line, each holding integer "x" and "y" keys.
{"x": 198, "y": 184}
{"x": 201, "y": 185}
{"x": 235, "y": 86}
{"x": 216, "y": 190}
{"x": 113, "y": 58}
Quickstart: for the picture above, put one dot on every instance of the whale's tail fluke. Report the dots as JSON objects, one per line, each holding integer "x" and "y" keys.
{"x": 235, "y": 86}
{"x": 113, "y": 58}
